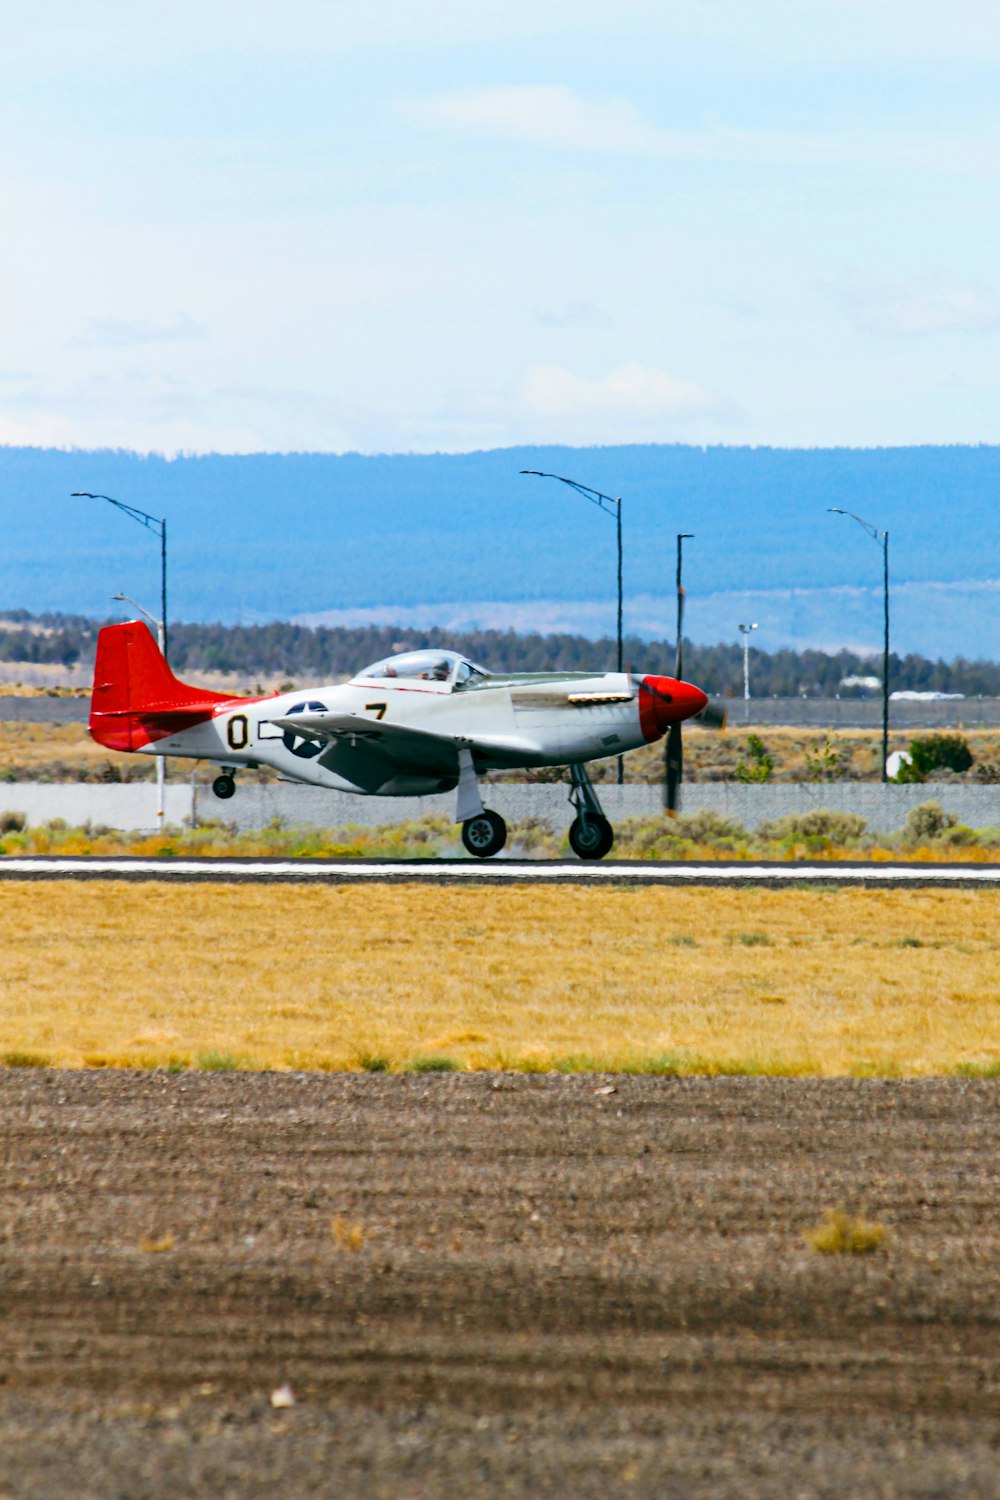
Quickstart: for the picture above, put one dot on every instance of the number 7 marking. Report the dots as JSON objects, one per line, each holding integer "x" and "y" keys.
{"x": 378, "y": 709}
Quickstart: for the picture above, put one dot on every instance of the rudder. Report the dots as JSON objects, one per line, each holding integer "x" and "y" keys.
{"x": 136, "y": 698}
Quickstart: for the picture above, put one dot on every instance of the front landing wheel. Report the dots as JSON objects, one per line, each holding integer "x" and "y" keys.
{"x": 223, "y": 786}
{"x": 593, "y": 839}
{"x": 485, "y": 834}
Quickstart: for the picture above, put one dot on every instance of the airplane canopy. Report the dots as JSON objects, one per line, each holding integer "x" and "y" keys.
{"x": 446, "y": 667}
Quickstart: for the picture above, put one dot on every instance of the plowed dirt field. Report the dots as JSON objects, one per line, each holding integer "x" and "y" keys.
{"x": 495, "y": 1284}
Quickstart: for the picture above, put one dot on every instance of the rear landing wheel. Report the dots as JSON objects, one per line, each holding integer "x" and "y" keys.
{"x": 593, "y": 839}
{"x": 223, "y": 786}
{"x": 485, "y": 834}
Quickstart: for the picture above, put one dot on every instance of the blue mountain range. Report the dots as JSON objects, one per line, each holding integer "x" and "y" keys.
{"x": 466, "y": 539}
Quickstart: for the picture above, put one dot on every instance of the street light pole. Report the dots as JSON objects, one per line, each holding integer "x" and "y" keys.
{"x": 159, "y": 527}
{"x": 881, "y": 536}
{"x": 673, "y": 750}
{"x": 682, "y": 537}
{"x": 161, "y": 760}
{"x": 611, "y": 505}
{"x": 745, "y": 631}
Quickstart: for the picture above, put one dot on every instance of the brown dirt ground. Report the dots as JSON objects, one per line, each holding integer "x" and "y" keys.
{"x": 495, "y": 1285}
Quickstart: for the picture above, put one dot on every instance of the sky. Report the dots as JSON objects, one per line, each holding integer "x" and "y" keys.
{"x": 245, "y": 226}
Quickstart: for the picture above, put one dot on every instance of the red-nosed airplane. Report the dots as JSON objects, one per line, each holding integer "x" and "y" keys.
{"x": 416, "y": 723}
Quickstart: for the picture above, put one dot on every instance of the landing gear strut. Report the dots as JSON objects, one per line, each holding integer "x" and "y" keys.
{"x": 483, "y": 832}
{"x": 224, "y": 786}
{"x": 590, "y": 834}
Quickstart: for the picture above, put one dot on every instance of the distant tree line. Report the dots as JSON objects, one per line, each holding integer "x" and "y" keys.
{"x": 294, "y": 651}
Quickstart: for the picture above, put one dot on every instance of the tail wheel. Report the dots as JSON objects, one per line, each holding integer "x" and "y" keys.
{"x": 223, "y": 786}
{"x": 593, "y": 839}
{"x": 485, "y": 834}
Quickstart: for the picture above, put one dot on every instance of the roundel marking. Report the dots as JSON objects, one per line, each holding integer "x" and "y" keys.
{"x": 304, "y": 749}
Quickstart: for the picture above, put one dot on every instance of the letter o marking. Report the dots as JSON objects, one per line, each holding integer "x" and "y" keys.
{"x": 238, "y": 732}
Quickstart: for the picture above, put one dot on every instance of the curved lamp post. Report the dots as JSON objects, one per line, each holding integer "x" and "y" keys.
{"x": 879, "y": 536}
{"x": 612, "y": 506}
{"x": 159, "y": 528}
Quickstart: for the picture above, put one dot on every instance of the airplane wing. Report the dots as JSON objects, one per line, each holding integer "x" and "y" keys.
{"x": 405, "y": 747}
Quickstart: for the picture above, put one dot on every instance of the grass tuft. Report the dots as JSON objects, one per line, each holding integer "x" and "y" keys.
{"x": 986, "y": 1069}
{"x": 157, "y": 1246}
{"x": 220, "y": 1062}
{"x": 840, "y": 1234}
{"x": 346, "y": 1236}
{"x": 18, "y": 1059}
{"x": 373, "y": 1062}
{"x": 433, "y": 1065}
{"x": 753, "y": 940}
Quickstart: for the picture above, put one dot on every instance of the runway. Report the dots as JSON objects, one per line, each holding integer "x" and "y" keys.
{"x": 499, "y": 872}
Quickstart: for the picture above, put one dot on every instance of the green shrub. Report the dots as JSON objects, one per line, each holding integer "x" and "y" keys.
{"x": 828, "y": 761}
{"x": 825, "y": 823}
{"x": 12, "y": 822}
{"x": 933, "y": 752}
{"x": 760, "y": 762}
{"x": 927, "y": 821}
{"x": 706, "y": 827}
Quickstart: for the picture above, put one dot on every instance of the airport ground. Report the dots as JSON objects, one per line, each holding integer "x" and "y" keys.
{"x": 495, "y": 1284}
{"x": 229, "y": 1272}
{"x": 829, "y": 981}
{"x": 33, "y": 751}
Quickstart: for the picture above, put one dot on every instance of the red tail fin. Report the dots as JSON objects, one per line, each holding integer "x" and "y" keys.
{"x": 136, "y": 698}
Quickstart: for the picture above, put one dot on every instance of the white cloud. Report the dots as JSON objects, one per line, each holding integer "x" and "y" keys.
{"x": 574, "y": 315}
{"x": 540, "y": 115}
{"x": 119, "y": 333}
{"x": 928, "y": 305}
{"x": 632, "y": 392}
{"x": 556, "y": 118}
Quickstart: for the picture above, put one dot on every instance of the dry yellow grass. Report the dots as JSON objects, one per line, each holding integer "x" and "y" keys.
{"x": 826, "y": 982}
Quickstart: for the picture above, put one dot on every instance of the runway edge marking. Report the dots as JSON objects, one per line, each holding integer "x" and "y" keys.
{"x": 306, "y": 871}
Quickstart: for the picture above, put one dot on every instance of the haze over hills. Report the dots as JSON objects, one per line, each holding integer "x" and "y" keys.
{"x": 462, "y": 540}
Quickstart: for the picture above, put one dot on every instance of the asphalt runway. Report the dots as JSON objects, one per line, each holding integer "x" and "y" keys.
{"x": 498, "y": 872}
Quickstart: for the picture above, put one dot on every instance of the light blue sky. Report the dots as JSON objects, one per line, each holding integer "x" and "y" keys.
{"x": 242, "y": 225}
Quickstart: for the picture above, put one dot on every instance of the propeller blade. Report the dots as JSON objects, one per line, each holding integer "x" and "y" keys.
{"x": 673, "y": 757}
{"x": 712, "y": 716}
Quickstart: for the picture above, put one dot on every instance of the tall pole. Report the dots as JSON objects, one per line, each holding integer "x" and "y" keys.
{"x": 885, "y": 655}
{"x": 618, "y": 522}
{"x": 682, "y": 537}
{"x": 157, "y": 525}
{"x": 161, "y": 760}
{"x": 163, "y": 589}
{"x": 612, "y": 505}
{"x": 745, "y": 632}
{"x": 879, "y": 536}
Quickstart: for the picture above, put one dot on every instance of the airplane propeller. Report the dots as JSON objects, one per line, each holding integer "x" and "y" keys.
{"x": 710, "y": 716}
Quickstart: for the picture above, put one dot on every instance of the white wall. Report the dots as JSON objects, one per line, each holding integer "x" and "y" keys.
{"x": 133, "y": 805}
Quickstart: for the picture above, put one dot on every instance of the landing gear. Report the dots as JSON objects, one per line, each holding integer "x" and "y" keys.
{"x": 484, "y": 834}
{"x": 590, "y": 834}
{"x": 224, "y": 786}
{"x": 593, "y": 839}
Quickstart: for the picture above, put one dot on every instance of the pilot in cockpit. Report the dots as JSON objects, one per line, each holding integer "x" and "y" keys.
{"x": 439, "y": 672}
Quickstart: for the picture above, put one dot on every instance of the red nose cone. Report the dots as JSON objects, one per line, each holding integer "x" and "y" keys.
{"x": 664, "y": 701}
